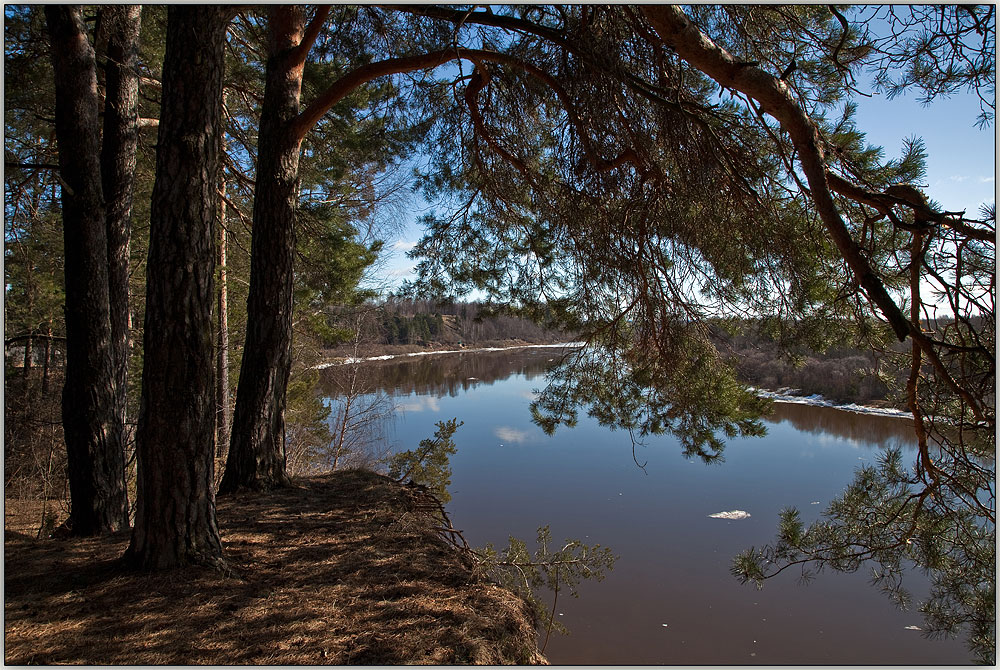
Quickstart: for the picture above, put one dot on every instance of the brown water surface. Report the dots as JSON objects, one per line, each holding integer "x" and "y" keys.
{"x": 671, "y": 598}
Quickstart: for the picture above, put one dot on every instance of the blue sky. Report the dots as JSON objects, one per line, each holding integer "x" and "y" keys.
{"x": 961, "y": 158}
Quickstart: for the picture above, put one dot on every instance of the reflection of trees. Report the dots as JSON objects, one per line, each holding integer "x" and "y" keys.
{"x": 877, "y": 431}
{"x": 451, "y": 374}
{"x": 445, "y": 374}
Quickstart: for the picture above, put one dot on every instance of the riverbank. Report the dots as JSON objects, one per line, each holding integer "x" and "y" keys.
{"x": 388, "y": 351}
{"x": 343, "y": 569}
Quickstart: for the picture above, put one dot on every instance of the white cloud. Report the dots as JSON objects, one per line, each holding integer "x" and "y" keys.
{"x": 987, "y": 180}
{"x": 958, "y": 178}
{"x": 403, "y": 245}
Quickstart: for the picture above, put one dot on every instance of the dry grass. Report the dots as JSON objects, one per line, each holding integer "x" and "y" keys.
{"x": 343, "y": 569}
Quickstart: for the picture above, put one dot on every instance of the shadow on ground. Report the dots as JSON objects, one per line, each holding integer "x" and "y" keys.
{"x": 341, "y": 569}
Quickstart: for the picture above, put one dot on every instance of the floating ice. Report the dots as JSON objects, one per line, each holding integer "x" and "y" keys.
{"x": 788, "y": 395}
{"x": 733, "y": 515}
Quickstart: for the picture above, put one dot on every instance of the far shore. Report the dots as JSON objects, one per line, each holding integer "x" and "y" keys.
{"x": 383, "y": 352}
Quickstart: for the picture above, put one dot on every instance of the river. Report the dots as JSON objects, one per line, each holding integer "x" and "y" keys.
{"x": 671, "y": 598}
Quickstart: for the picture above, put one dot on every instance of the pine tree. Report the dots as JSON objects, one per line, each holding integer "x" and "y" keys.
{"x": 175, "y": 516}
{"x": 92, "y": 424}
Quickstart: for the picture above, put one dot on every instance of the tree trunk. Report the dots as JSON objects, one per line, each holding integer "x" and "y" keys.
{"x": 28, "y": 354}
{"x": 257, "y": 450}
{"x": 222, "y": 415}
{"x": 118, "y": 157}
{"x": 175, "y": 518}
{"x": 93, "y": 441}
{"x": 29, "y": 289}
{"x": 47, "y": 359}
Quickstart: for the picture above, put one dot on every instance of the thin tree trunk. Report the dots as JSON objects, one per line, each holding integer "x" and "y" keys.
{"x": 26, "y": 370}
{"x": 256, "y": 457}
{"x": 93, "y": 441}
{"x": 222, "y": 373}
{"x": 175, "y": 520}
{"x": 47, "y": 360}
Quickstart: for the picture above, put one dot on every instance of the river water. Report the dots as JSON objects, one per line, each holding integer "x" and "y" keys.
{"x": 671, "y": 598}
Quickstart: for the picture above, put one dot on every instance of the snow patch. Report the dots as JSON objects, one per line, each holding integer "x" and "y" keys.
{"x": 348, "y": 361}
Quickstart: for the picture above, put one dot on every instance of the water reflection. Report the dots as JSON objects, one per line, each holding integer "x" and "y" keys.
{"x": 872, "y": 431}
{"x": 671, "y": 598}
{"x": 449, "y": 374}
{"x": 420, "y": 380}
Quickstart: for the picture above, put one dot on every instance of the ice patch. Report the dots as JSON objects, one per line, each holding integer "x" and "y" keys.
{"x": 733, "y": 515}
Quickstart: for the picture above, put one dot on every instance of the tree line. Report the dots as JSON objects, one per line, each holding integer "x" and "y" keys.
{"x": 626, "y": 173}
{"x": 426, "y": 321}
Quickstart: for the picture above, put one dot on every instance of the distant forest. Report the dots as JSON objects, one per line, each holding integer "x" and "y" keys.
{"x": 841, "y": 373}
{"x": 426, "y": 322}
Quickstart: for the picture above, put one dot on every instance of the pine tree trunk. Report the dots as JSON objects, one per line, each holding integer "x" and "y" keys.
{"x": 175, "y": 518}
{"x": 93, "y": 440}
{"x": 118, "y": 157}
{"x": 257, "y": 449}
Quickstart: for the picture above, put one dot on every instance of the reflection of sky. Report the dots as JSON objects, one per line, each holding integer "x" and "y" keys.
{"x": 509, "y": 434}
{"x": 833, "y": 442}
{"x": 420, "y": 403}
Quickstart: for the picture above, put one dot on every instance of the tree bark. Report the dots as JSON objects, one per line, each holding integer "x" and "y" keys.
{"x": 175, "y": 518}
{"x": 118, "y": 158}
{"x": 256, "y": 457}
{"x": 93, "y": 440}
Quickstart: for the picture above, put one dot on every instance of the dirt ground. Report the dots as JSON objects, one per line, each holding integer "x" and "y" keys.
{"x": 346, "y": 568}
